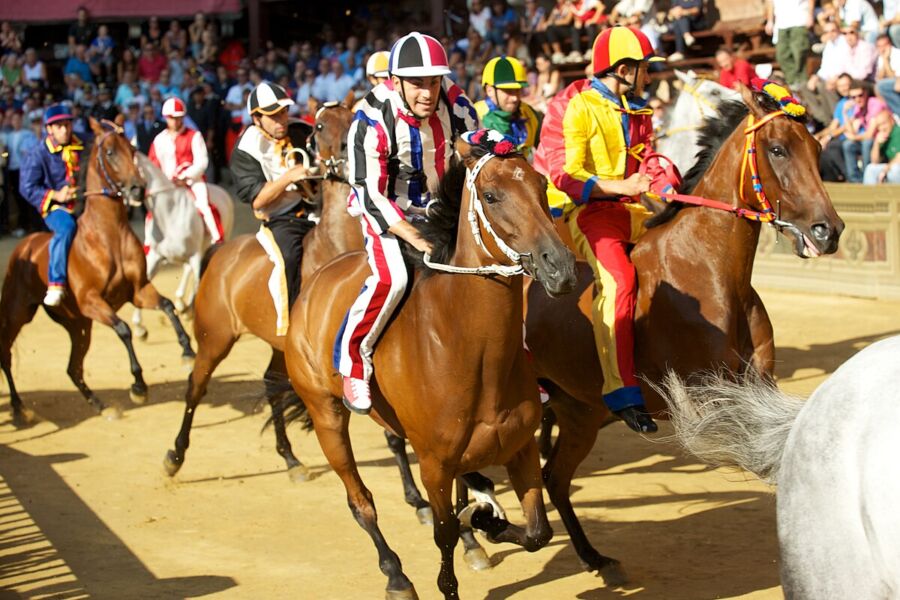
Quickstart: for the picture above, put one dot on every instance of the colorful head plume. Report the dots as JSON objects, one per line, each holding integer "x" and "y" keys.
{"x": 788, "y": 103}
{"x": 491, "y": 140}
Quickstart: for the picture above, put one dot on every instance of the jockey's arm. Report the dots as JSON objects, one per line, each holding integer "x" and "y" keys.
{"x": 273, "y": 190}
{"x": 196, "y": 171}
{"x": 33, "y": 188}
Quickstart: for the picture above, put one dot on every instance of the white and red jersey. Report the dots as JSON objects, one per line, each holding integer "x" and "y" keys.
{"x": 180, "y": 155}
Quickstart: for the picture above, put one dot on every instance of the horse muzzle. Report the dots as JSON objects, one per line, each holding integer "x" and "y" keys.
{"x": 820, "y": 238}
{"x": 553, "y": 268}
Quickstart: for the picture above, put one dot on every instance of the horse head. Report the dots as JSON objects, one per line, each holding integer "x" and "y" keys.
{"x": 328, "y": 142}
{"x": 510, "y": 200}
{"x": 787, "y": 156}
{"x": 117, "y": 164}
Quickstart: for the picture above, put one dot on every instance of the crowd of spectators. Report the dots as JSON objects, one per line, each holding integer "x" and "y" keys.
{"x": 103, "y": 75}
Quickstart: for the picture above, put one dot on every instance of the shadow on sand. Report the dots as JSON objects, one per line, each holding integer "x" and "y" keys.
{"x": 47, "y": 528}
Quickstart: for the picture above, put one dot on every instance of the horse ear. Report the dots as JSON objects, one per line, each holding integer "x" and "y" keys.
{"x": 749, "y": 99}
{"x": 464, "y": 150}
{"x": 95, "y": 126}
{"x": 120, "y": 120}
{"x": 312, "y": 105}
{"x": 349, "y": 100}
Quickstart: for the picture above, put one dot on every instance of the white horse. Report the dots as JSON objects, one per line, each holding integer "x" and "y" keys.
{"x": 833, "y": 457}
{"x": 697, "y": 100}
{"x": 177, "y": 234}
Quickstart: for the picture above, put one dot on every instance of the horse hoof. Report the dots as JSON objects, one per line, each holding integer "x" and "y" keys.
{"x": 299, "y": 474}
{"x": 188, "y": 361}
{"x": 477, "y": 559}
{"x": 179, "y": 306}
{"x": 409, "y": 594}
{"x": 612, "y": 574}
{"x": 24, "y": 418}
{"x": 111, "y": 413}
{"x": 466, "y": 515}
{"x": 425, "y": 516}
{"x": 171, "y": 463}
{"x": 140, "y": 332}
{"x": 137, "y": 396}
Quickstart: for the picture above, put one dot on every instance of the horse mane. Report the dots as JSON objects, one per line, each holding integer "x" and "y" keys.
{"x": 713, "y": 133}
{"x": 442, "y": 226}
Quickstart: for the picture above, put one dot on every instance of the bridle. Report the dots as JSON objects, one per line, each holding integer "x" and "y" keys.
{"x": 333, "y": 164}
{"x": 749, "y": 164}
{"x": 477, "y": 219}
{"x": 115, "y": 189}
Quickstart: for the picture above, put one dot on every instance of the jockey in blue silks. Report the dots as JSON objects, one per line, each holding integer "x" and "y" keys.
{"x": 49, "y": 182}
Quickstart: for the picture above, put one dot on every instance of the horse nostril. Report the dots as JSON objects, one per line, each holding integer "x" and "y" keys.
{"x": 821, "y": 231}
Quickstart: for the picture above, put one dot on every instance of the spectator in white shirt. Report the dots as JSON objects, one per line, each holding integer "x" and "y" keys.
{"x": 890, "y": 20}
{"x": 860, "y": 13}
{"x": 789, "y": 22}
{"x": 887, "y": 65}
{"x": 234, "y": 99}
{"x": 480, "y": 18}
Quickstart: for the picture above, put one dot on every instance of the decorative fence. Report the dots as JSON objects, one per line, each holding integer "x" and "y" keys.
{"x": 867, "y": 263}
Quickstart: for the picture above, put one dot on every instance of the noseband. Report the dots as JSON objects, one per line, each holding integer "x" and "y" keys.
{"x": 477, "y": 219}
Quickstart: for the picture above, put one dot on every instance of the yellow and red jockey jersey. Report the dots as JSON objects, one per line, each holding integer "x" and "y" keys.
{"x": 589, "y": 134}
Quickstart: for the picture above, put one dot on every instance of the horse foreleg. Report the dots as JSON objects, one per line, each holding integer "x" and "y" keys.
{"x": 97, "y": 309}
{"x": 277, "y": 387}
{"x": 13, "y": 316}
{"x": 212, "y": 347}
{"x": 475, "y": 556}
{"x": 331, "y": 424}
{"x": 410, "y": 492}
{"x": 525, "y": 474}
{"x": 438, "y": 483}
{"x": 153, "y": 261}
{"x": 180, "y": 305}
{"x": 195, "y": 262}
{"x": 148, "y": 297}
{"x": 578, "y": 427}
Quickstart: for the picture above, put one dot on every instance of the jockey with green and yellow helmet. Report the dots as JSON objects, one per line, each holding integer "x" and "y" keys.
{"x": 503, "y": 80}
{"x": 596, "y": 133}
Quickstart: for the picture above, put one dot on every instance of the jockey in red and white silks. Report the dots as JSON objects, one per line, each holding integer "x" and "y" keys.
{"x": 180, "y": 152}
{"x": 400, "y": 141}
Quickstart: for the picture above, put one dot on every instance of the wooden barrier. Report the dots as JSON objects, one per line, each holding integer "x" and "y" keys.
{"x": 867, "y": 262}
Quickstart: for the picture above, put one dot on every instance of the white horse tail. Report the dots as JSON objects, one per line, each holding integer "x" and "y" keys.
{"x": 727, "y": 421}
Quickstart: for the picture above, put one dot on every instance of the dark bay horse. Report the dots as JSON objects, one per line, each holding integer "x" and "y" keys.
{"x": 232, "y": 299}
{"x": 696, "y": 308}
{"x": 106, "y": 269}
{"x": 450, "y": 371}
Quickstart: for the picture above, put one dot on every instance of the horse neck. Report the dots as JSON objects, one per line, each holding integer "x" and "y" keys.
{"x": 101, "y": 209}
{"x": 341, "y": 229}
{"x": 732, "y": 239}
{"x": 492, "y": 303}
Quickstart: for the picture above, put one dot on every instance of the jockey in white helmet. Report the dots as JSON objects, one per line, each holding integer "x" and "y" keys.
{"x": 181, "y": 154}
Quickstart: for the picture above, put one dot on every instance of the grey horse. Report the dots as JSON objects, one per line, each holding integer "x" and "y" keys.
{"x": 176, "y": 234}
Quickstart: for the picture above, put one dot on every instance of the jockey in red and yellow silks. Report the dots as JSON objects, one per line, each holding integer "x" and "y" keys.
{"x": 594, "y": 136}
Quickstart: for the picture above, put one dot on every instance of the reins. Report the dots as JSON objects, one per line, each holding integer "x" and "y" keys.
{"x": 477, "y": 219}
{"x": 765, "y": 214}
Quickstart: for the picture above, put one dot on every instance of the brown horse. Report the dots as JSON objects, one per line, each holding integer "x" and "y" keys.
{"x": 450, "y": 371}
{"x": 696, "y": 308}
{"x": 229, "y": 302}
{"x": 106, "y": 269}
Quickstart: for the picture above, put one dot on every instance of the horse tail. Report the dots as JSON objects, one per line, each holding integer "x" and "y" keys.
{"x": 741, "y": 422}
{"x": 278, "y": 386}
{"x": 207, "y": 256}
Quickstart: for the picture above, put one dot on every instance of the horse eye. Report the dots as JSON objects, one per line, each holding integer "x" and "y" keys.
{"x": 489, "y": 197}
{"x": 778, "y": 151}
{"x": 109, "y": 152}
{"x": 319, "y": 127}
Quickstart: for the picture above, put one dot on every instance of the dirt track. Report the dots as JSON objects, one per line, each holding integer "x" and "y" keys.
{"x": 86, "y": 510}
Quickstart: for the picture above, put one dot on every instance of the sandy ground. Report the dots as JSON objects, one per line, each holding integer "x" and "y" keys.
{"x": 86, "y": 510}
